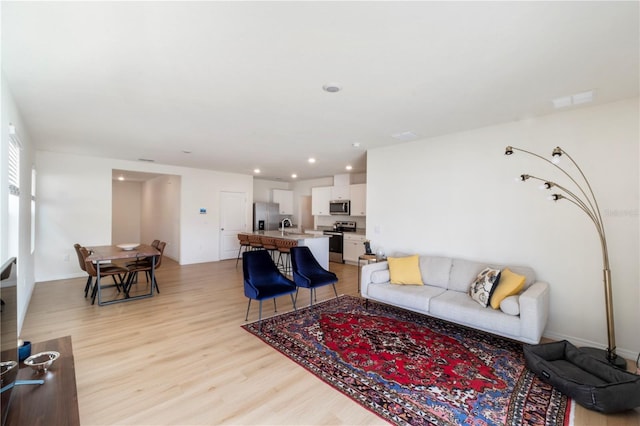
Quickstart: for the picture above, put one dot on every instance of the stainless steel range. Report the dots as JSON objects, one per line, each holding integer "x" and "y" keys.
{"x": 335, "y": 240}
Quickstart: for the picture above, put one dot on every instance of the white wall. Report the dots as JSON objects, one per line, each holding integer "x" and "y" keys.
{"x": 9, "y": 114}
{"x": 455, "y": 195}
{"x": 302, "y": 188}
{"x": 262, "y": 189}
{"x": 161, "y": 213}
{"x": 125, "y": 212}
{"x": 75, "y": 206}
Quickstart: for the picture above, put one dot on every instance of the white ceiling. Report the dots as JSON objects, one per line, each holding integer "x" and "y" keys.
{"x": 239, "y": 84}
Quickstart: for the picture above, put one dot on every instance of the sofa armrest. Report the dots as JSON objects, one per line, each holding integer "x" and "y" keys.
{"x": 534, "y": 311}
{"x": 365, "y": 277}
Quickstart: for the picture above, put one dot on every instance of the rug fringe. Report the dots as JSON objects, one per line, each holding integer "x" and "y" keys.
{"x": 572, "y": 414}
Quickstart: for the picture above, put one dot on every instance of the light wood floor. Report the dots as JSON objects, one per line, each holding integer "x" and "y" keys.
{"x": 181, "y": 358}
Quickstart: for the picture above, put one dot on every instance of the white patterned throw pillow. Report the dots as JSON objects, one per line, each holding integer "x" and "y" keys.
{"x": 482, "y": 288}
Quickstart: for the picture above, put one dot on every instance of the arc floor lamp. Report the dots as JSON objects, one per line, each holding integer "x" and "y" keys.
{"x": 585, "y": 200}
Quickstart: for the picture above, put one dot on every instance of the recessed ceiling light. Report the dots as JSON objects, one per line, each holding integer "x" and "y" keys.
{"x": 293, "y": 176}
{"x": 256, "y": 171}
{"x": 349, "y": 167}
{"x": 184, "y": 151}
{"x": 331, "y": 87}
{"x": 311, "y": 160}
{"x": 356, "y": 144}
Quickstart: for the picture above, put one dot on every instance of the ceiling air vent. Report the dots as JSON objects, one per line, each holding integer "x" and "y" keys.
{"x": 405, "y": 136}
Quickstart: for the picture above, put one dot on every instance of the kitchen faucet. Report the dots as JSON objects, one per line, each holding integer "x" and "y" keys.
{"x": 286, "y": 219}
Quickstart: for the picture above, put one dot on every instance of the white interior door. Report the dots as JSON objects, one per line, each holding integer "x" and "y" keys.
{"x": 233, "y": 216}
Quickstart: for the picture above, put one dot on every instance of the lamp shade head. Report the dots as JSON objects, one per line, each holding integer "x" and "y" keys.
{"x": 546, "y": 185}
{"x": 556, "y": 154}
{"x": 508, "y": 150}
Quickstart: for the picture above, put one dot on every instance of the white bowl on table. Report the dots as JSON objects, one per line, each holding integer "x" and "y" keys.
{"x": 128, "y": 246}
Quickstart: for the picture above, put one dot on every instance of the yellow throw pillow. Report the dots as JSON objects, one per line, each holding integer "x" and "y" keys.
{"x": 510, "y": 284}
{"x": 405, "y": 270}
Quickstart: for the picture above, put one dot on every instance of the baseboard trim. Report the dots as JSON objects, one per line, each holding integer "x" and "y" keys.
{"x": 625, "y": 353}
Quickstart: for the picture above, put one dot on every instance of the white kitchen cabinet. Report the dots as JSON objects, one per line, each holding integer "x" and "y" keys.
{"x": 358, "y": 194}
{"x": 320, "y": 197}
{"x": 285, "y": 199}
{"x": 352, "y": 247}
{"x": 340, "y": 192}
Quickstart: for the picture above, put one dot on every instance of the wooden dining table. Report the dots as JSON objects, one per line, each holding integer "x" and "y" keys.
{"x": 101, "y": 254}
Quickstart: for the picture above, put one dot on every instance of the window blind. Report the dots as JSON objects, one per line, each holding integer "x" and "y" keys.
{"x": 14, "y": 167}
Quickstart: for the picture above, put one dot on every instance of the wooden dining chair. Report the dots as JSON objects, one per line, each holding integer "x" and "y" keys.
{"x": 77, "y": 246}
{"x": 105, "y": 271}
{"x": 154, "y": 244}
{"x": 145, "y": 265}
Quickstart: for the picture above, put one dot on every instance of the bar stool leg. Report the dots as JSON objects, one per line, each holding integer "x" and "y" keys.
{"x": 239, "y": 251}
{"x": 279, "y": 262}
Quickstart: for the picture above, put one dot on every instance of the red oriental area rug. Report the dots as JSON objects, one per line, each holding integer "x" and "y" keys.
{"x": 411, "y": 369}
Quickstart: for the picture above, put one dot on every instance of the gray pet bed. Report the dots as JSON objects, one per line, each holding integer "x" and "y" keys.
{"x": 592, "y": 383}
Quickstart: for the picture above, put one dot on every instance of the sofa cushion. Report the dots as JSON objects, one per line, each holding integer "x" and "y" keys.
{"x": 405, "y": 270}
{"x": 483, "y": 286}
{"x": 463, "y": 273}
{"x": 435, "y": 270}
{"x": 510, "y": 305}
{"x": 460, "y": 308}
{"x": 508, "y": 285}
{"x": 413, "y": 297}
{"x": 530, "y": 276}
{"x": 378, "y": 277}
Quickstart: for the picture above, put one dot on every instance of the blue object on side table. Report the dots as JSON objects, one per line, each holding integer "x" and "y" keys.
{"x": 24, "y": 351}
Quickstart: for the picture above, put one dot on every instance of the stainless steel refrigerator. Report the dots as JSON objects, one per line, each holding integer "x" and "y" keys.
{"x": 266, "y": 216}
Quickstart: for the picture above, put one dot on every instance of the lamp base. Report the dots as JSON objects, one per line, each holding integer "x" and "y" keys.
{"x": 601, "y": 354}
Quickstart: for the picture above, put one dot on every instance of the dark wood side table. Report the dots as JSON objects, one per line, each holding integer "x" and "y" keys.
{"x": 365, "y": 258}
{"x": 56, "y": 401}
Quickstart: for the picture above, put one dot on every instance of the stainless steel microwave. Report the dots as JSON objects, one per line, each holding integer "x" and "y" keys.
{"x": 341, "y": 207}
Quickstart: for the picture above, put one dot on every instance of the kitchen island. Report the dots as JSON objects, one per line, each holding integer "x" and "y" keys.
{"x": 318, "y": 244}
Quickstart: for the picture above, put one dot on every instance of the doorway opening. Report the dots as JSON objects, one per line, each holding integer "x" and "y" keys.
{"x": 146, "y": 207}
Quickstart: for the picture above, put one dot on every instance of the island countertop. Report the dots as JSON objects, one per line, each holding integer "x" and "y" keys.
{"x": 287, "y": 235}
{"x": 318, "y": 244}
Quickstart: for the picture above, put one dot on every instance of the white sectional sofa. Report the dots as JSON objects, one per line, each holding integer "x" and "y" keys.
{"x": 445, "y": 295}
